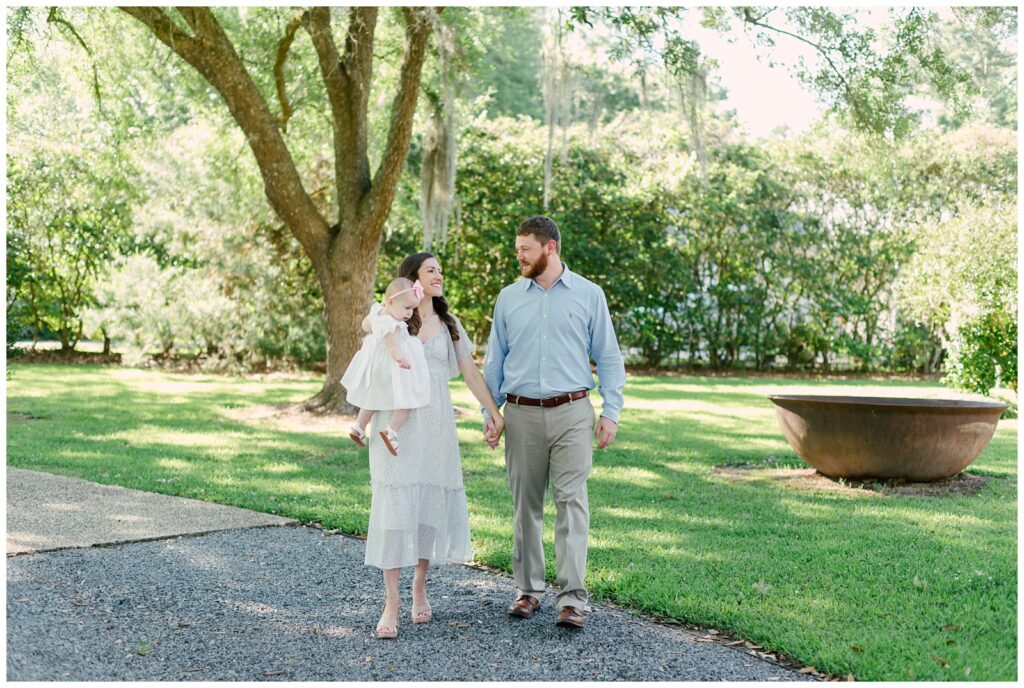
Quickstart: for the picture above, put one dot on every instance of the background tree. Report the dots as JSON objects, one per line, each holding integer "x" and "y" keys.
{"x": 343, "y": 253}
{"x": 70, "y": 191}
{"x": 961, "y": 280}
{"x": 983, "y": 41}
{"x": 60, "y": 235}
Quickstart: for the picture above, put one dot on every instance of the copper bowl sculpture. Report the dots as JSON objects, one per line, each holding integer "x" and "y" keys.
{"x": 919, "y": 440}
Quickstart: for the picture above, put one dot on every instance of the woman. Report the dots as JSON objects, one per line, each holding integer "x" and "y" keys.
{"x": 418, "y": 510}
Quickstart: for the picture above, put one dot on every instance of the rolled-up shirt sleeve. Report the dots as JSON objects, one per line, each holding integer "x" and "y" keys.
{"x": 611, "y": 372}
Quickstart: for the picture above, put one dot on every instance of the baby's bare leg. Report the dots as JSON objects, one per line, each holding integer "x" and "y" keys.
{"x": 398, "y": 419}
{"x": 364, "y": 417}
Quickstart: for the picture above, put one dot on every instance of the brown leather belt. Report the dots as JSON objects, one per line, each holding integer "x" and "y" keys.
{"x": 550, "y": 402}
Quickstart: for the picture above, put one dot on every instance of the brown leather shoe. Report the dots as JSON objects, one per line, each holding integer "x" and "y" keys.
{"x": 524, "y": 607}
{"x": 569, "y": 617}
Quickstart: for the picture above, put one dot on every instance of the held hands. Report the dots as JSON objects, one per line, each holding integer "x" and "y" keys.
{"x": 605, "y": 432}
{"x": 493, "y": 427}
{"x": 402, "y": 363}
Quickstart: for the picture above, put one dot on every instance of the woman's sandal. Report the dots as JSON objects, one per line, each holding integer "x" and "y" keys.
{"x": 357, "y": 435}
{"x": 423, "y": 616}
{"x": 390, "y": 438}
{"x": 386, "y": 632}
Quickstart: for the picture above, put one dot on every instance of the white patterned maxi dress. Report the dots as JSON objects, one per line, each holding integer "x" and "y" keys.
{"x": 418, "y": 508}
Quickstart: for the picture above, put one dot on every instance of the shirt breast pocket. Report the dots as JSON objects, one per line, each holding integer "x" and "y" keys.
{"x": 579, "y": 328}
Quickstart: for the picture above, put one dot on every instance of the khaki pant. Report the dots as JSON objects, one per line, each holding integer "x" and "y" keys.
{"x": 556, "y": 444}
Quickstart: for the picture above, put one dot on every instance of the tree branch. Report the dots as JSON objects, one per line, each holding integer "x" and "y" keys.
{"x": 166, "y": 30}
{"x": 190, "y": 15}
{"x": 212, "y": 54}
{"x": 417, "y": 31}
{"x": 282, "y": 54}
{"x": 347, "y": 80}
{"x": 317, "y": 22}
{"x": 822, "y": 50}
{"x": 53, "y": 17}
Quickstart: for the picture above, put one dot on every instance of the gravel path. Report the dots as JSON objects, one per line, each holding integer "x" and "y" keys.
{"x": 292, "y": 603}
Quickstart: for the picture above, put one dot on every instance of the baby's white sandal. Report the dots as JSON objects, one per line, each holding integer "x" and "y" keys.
{"x": 390, "y": 438}
{"x": 357, "y": 435}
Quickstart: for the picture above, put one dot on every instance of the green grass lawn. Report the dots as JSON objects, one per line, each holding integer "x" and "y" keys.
{"x": 849, "y": 581}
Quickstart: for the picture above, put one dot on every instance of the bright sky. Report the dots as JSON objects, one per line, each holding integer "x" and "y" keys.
{"x": 761, "y": 82}
{"x": 764, "y": 96}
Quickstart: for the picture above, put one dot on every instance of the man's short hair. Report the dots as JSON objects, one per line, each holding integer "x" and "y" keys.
{"x": 542, "y": 227}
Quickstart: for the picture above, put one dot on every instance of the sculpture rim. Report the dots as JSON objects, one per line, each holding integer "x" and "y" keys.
{"x": 919, "y": 403}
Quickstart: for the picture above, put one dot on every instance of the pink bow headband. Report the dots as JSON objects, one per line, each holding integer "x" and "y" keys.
{"x": 416, "y": 289}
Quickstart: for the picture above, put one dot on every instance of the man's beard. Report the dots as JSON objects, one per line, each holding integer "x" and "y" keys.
{"x": 533, "y": 270}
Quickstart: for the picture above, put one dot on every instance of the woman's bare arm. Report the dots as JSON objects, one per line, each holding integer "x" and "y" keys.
{"x": 475, "y": 382}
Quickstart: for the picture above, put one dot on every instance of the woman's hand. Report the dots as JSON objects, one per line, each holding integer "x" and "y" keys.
{"x": 493, "y": 427}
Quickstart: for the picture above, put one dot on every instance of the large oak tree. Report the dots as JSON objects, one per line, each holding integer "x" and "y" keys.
{"x": 342, "y": 250}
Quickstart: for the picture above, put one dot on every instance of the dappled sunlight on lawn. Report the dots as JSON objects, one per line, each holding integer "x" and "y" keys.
{"x": 631, "y": 475}
{"x": 1000, "y": 456}
{"x": 600, "y": 514}
{"x": 286, "y": 416}
{"x": 472, "y": 435}
{"x": 292, "y": 486}
{"x": 74, "y": 451}
{"x": 184, "y": 387}
{"x": 147, "y": 435}
{"x": 281, "y": 468}
{"x": 642, "y": 514}
{"x": 686, "y": 404}
{"x": 808, "y": 508}
{"x": 176, "y": 465}
{"x": 916, "y": 512}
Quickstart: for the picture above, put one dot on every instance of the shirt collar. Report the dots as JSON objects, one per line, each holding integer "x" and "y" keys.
{"x": 565, "y": 278}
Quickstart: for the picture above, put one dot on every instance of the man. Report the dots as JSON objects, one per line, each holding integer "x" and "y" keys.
{"x": 546, "y": 328}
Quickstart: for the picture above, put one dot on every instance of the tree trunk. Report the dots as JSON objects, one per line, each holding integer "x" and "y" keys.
{"x": 348, "y": 291}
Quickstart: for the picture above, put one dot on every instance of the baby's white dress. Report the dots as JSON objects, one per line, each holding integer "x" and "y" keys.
{"x": 374, "y": 381}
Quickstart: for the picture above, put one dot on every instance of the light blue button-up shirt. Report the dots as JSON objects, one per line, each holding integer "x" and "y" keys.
{"x": 542, "y": 341}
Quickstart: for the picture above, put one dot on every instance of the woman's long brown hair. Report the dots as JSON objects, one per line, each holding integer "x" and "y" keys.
{"x": 410, "y": 269}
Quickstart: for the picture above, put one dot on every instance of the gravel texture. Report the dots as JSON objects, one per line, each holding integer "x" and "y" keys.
{"x": 294, "y": 603}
